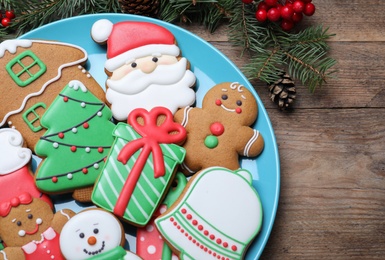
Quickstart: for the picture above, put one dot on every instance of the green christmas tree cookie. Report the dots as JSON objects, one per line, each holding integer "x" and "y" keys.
{"x": 77, "y": 140}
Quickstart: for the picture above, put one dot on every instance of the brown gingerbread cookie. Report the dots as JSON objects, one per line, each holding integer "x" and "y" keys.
{"x": 30, "y": 229}
{"x": 33, "y": 72}
{"x": 220, "y": 131}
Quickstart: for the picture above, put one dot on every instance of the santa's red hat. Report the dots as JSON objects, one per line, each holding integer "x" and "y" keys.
{"x": 129, "y": 40}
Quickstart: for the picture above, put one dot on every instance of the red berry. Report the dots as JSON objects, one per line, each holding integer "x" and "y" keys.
{"x": 298, "y": 6}
{"x": 261, "y": 15}
{"x": 309, "y": 9}
{"x": 279, "y": 7}
{"x": 273, "y": 14}
{"x": 5, "y": 22}
{"x": 287, "y": 12}
{"x": 271, "y": 2}
{"x": 297, "y": 17}
{"x": 287, "y": 25}
{"x": 10, "y": 14}
{"x": 264, "y": 6}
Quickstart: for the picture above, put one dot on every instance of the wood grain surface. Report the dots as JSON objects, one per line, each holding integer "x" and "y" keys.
{"x": 332, "y": 145}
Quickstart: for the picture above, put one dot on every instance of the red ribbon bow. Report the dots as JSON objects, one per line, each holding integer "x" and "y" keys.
{"x": 152, "y": 135}
{"x": 6, "y": 206}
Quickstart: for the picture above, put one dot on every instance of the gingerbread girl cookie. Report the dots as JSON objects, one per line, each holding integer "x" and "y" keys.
{"x": 220, "y": 131}
{"x": 30, "y": 229}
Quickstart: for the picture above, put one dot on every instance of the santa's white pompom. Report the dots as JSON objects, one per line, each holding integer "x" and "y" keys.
{"x": 101, "y": 30}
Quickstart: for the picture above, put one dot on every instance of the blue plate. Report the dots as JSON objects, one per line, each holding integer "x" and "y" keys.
{"x": 210, "y": 67}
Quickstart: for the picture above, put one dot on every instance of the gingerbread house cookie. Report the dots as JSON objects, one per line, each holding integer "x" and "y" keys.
{"x": 33, "y": 72}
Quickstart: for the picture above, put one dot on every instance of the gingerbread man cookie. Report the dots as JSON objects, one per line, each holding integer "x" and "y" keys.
{"x": 220, "y": 131}
{"x": 30, "y": 229}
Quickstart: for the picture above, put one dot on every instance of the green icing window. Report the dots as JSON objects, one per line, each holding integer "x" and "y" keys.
{"x": 32, "y": 116}
{"x": 25, "y": 68}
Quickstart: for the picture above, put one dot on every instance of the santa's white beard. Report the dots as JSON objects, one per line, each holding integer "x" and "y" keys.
{"x": 168, "y": 86}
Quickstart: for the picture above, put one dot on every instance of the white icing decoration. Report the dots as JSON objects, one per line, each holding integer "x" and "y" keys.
{"x": 100, "y": 113}
{"x": 167, "y": 86}
{"x": 55, "y": 145}
{"x": 69, "y": 176}
{"x": 83, "y": 104}
{"x": 88, "y": 149}
{"x": 151, "y": 249}
{"x": 4, "y": 254}
{"x": 9, "y": 122}
{"x": 64, "y": 214}
{"x": 186, "y": 113}
{"x": 39, "y": 221}
{"x": 46, "y": 84}
{"x": 101, "y": 30}
{"x": 80, "y": 67}
{"x": 96, "y": 166}
{"x": 227, "y": 109}
{"x": 21, "y": 233}
{"x": 83, "y": 222}
{"x": 76, "y": 84}
{"x": 147, "y": 50}
{"x": 13, "y": 155}
{"x": 150, "y": 228}
{"x": 214, "y": 198}
{"x": 237, "y": 86}
{"x": 250, "y": 143}
{"x": 11, "y": 46}
{"x": 74, "y": 130}
{"x": 84, "y": 71}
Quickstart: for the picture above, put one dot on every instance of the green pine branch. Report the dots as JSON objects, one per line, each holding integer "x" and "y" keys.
{"x": 304, "y": 55}
{"x": 31, "y": 14}
{"x": 210, "y": 13}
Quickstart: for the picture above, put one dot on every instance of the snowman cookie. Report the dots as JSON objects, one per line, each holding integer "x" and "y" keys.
{"x": 30, "y": 229}
{"x": 220, "y": 131}
{"x": 94, "y": 234}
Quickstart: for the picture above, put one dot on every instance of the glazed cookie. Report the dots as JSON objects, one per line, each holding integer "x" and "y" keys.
{"x": 33, "y": 73}
{"x": 15, "y": 171}
{"x": 144, "y": 66}
{"x": 30, "y": 229}
{"x": 94, "y": 234}
{"x": 217, "y": 216}
{"x": 76, "y": 143}
{"x": 220, "y": 131}
{"x": 141, "y": 165}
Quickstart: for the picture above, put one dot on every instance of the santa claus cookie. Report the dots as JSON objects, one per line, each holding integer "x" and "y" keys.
{"x": 94, "y": 234}
{"x": 15, "y": 171}
{"x": 30, "y": 229}
{"x": 220, "y": 131}
{"x": 216, "y": 217}
{"x": 33, "y": 72}
{"x": 144, "y": 66}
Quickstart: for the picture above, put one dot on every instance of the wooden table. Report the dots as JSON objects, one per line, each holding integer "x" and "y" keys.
{"x": 332, "y": 145}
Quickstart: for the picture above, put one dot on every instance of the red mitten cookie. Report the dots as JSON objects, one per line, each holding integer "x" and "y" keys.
{"x": 15, "y": 171}
{"x": 220, "y": 131}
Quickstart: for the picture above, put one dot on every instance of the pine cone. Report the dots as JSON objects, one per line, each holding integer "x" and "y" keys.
{"x": 282, "y": 92}
{"x": 140, "y": 7}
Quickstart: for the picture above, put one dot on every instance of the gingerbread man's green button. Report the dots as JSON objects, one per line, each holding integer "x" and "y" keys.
{"x": 211, "y": 141}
